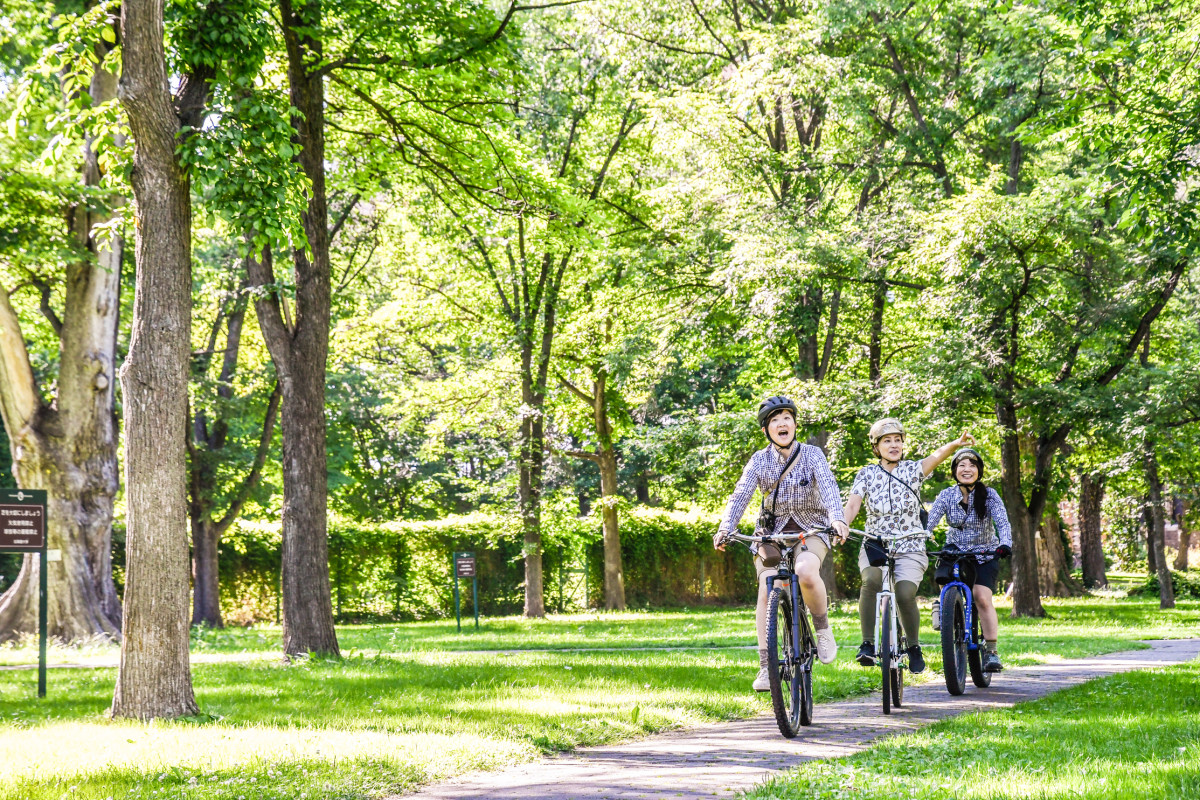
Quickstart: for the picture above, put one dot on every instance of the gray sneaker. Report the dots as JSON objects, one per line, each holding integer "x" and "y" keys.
{"x": 763, "y": 682}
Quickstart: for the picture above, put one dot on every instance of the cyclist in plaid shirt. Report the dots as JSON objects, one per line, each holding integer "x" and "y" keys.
{"x": 807, "y": 500}
{"x": 978, "y": 523}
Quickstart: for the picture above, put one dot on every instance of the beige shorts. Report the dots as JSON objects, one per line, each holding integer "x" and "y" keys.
{"x": 909, "y": 566}
{"x": 815, "y": 546}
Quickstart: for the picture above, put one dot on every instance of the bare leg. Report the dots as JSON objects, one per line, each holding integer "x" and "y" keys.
{"x": 808, "y": 570}
{"x": 987, "y": 612}
{"x": 760, "y": 616}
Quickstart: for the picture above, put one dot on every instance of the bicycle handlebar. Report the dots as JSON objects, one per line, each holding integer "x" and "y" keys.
{"x": 776, "y": 537}
{"x": 956, "y": 552}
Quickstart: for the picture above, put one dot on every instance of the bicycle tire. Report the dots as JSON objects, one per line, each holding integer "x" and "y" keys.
{"x": 780, "y": 667}
{"x": 808, "y": 650}
{"x": 975, "y": 659}
{"x": 898, "y": 687}
{"x": 954, "y": 641}
{"x": 884, "y": 647}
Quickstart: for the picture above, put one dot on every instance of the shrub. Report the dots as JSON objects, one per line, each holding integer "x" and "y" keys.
{"x": 1185, "y": 584}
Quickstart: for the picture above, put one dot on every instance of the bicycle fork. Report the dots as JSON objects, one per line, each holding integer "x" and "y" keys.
{"x": 885, "y": 598}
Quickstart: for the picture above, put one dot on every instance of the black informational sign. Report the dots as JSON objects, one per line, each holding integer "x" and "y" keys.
{"x": 464, "y": 565}
{"x": 22, "y": 520}
{"x": 23, "y": 530}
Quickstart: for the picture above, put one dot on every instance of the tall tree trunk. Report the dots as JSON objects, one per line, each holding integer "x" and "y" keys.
{"x": 1027, "y": 601}
{"x": 206, "y": 444}
{"x": 530, "y": 492}
{"x": 605, "y": 458}
{"x": 1185, "y": 535}
{"x": 70, "y": 450}
{"x": 614, "y": 578}
{"x": 1091, "y": 546}
{"x": 878, "y": 303}
{"x": 154, "y": 677}
{"x": 1166, "y": 591}
{"x": 1054, "y": 571}
{"x": 300, "y": 352}
{"x": 206, "y": 588}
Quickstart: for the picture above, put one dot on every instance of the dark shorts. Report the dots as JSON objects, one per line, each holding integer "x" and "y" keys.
{"x": 986, "y": 574}
{"x": 973, "y": 574}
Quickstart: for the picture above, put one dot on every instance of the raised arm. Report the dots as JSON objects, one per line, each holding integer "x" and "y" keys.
{"x": 930, "y": 462}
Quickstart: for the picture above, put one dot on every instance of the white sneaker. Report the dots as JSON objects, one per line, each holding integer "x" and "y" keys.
{"x": 763, "y": 682}
{"x": 826, "y": 646}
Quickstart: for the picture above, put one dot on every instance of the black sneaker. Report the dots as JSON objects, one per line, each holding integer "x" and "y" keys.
{"x": 866, "y": 654}
{"x": 916, "y": 661}
{"x": 991, "y": 662}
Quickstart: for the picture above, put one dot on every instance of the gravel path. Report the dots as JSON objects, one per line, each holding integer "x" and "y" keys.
{"x": 724, "y": 759}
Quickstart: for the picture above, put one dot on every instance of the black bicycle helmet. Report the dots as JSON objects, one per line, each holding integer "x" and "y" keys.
{"x": 967, "y": 452}
{"x": 772, "y": 406}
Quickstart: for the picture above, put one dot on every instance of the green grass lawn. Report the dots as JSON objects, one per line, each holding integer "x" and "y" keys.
{"x": 1127, "y": 736}
{"x": 415, "y": 703}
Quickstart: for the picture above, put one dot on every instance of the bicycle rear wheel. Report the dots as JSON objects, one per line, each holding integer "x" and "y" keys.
{"x": 781, "y": 665}
{"x": 884, "y": 648}
{"x": 954, "y": 641}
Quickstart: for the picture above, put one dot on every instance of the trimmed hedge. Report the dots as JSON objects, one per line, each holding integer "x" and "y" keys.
{"x": 401, "y": 570}
{"x": 668, "y": 560}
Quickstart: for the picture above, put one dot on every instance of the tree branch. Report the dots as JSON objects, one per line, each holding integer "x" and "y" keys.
{"x": 1143, "y": 327}
{"x": 260, "y": 458}
{"x": 19, "y": 395}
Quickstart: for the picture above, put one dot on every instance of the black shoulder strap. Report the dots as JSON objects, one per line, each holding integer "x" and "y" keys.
{"x": 773, "y": 489}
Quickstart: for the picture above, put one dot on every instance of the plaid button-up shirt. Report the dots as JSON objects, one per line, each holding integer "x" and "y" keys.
{"x": 967, "y": 530}
{"x": 809, "y": 495}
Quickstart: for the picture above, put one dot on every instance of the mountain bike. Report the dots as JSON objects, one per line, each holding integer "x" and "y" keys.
{"x": 791, "y": 645}
{"x": 891, "y": 646}
{"x": 962, "y": 642}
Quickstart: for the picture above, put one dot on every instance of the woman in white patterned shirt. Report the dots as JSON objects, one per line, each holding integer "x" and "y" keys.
{"x": 978, "y": 523}
{"x": 891, "y": 490}
{"x": 807, "y": 500}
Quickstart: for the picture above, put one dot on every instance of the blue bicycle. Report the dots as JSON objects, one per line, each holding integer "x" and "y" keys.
{"x": 962, "y": 642}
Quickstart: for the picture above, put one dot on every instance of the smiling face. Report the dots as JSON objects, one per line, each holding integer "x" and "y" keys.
{"x": 781, "y": 428}
{"x": 966, "y": 471}
{"x": 891, "y": 447}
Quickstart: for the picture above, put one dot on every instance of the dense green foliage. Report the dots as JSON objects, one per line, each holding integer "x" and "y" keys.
{"x": 964, "y": 214}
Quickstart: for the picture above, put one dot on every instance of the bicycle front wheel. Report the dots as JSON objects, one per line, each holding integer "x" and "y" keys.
{"x": 954, "y": 641}
{"x": 884, "y": 646}
{"x": 782, "y": 667}
{"x": 975, "y": 657}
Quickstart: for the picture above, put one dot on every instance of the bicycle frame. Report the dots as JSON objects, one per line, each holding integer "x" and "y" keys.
{"x": 969, "y": 621}
{"x": 786, "y": 573}
{"x": 888, "y": 593}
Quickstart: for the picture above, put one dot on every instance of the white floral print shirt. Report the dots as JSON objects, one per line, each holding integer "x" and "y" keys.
{"x": 892, "y": 509}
